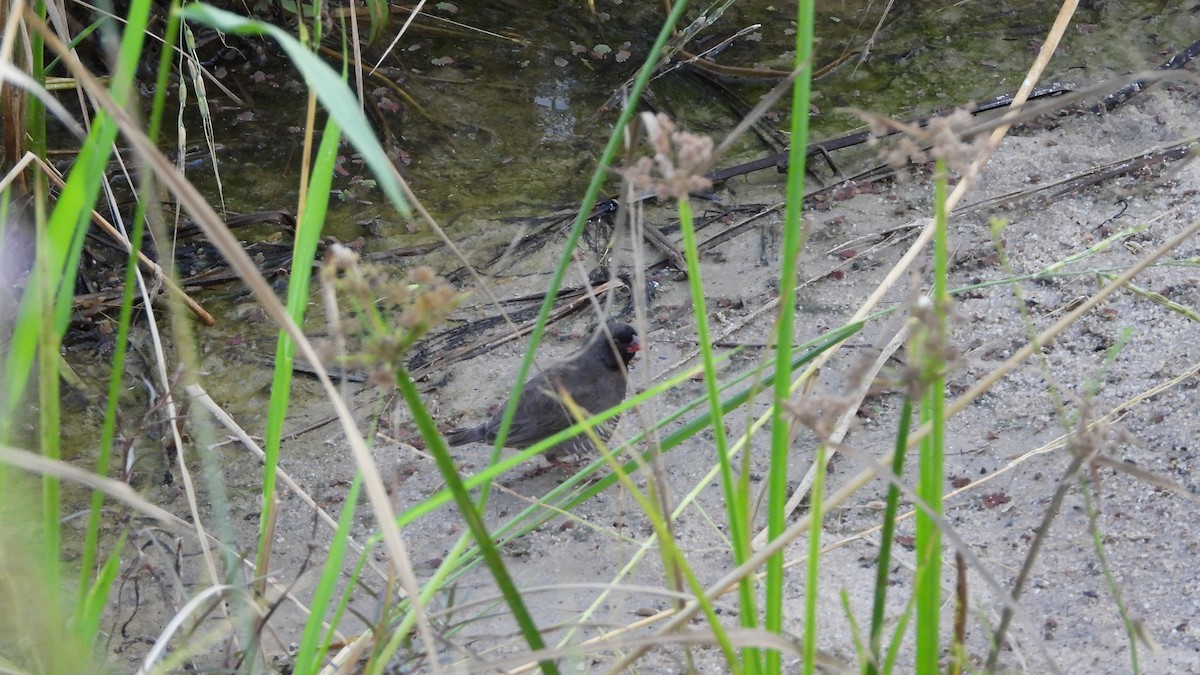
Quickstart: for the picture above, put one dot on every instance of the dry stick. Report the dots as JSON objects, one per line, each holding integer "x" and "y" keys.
{"x": 640, "y": 592}
{"x": 229, "y": 246}
{"x": 969, "y": 177}
{"x": 960, "y": 613}
{"x": 741, "y": 638}
{"x": 1137, "y": 86}
{"x": 738, "y": 227}
{"x": 202, "y": 314}
{"x": 199, "y": 395}
{"x": 412, "y": 15}
{"x": 1035, "y": 547}
{"x": 660, "y": 240}
{"x": 583, "y": 522}
{"x": 473, "y": 350}
{"x": 756, "y": 113}
{"x": 118, "y": 490}
{"x": 1092, "y": 176}
{"x": 18, "y": 169}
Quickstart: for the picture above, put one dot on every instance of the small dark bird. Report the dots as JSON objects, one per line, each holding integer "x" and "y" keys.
{"x": 595, "y": 379}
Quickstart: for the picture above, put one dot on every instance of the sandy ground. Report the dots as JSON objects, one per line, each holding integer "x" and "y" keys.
{"x": 1128, "y": 367}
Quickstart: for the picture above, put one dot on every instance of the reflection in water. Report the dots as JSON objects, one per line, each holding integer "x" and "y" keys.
{"x": 554, "y": 117}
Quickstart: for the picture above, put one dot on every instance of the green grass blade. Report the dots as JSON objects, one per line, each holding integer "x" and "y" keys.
{"x": 45, "y": 307}
{"x": 124, "y": 319}
{"x": 887, "y": 537}
{"x": 927, "y": 585}
{"x": 380, "y": 13}
{"x": 813, "y": 566}
{"x": 312, "y": 646}
{"x": 483, "y": 539}
{"x": 793, "y": 241}
{"x": 308, "y": 236}
{"x": 87, "y": 620}
{"x": 735, "y": 504}
{"x": 333, "y": 92}
{"x": 581, "y": 218}
{"x": 68, "y": 222}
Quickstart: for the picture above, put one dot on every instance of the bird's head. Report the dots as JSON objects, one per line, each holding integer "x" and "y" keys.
{"x": 623, "y": 341}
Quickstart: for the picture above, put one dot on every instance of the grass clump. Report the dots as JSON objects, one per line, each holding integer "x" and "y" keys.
{"x": 756, "y": 417}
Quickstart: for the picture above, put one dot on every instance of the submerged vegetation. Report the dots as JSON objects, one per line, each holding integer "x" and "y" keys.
{"x": 133, "y": 537}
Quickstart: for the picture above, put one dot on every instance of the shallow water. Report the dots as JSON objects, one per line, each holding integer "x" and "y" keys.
{"x": 515, "y": 126}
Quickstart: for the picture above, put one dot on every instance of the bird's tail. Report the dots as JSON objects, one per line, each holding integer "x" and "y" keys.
{"x": 464, "y": 436}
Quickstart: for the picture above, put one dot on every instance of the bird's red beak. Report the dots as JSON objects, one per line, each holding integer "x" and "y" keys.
{"x": 634, "y": 346}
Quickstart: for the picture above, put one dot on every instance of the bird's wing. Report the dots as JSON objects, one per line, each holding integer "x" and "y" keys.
{"x": 590, "y": 390}
{"x": 593, "y": 387}
{"x": 539, "y": 414}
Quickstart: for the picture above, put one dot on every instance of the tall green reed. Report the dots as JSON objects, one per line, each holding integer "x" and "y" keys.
{"x": 39, "y": 325}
